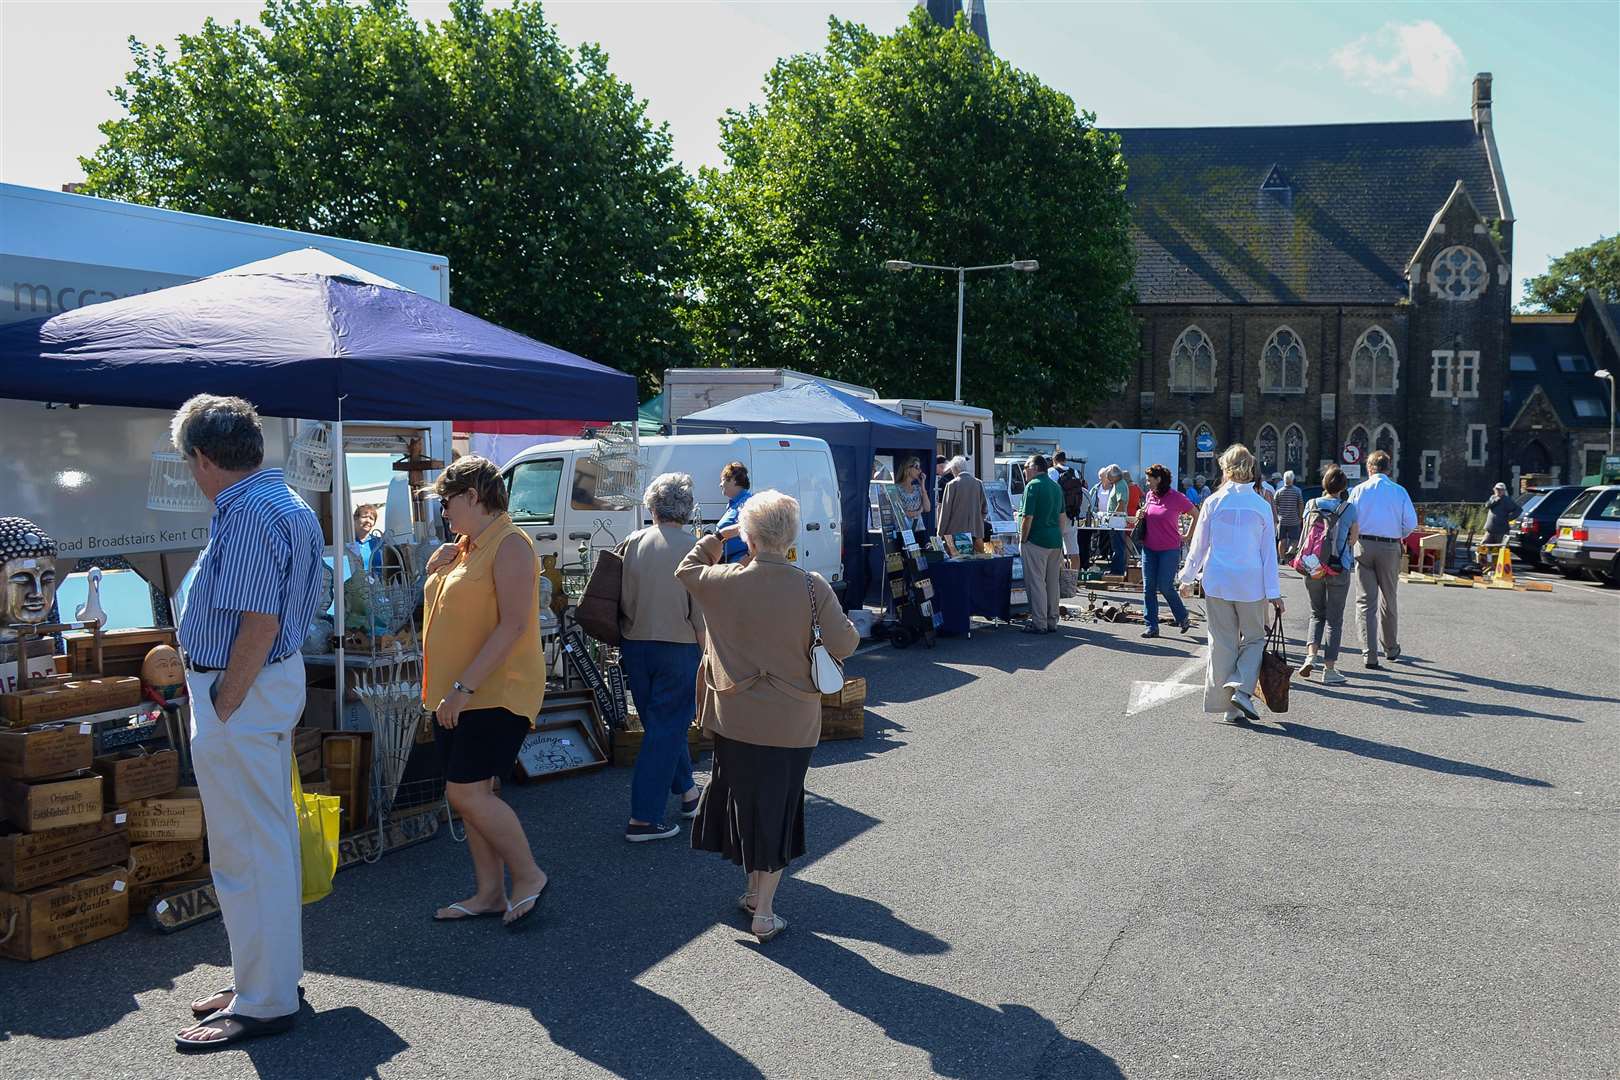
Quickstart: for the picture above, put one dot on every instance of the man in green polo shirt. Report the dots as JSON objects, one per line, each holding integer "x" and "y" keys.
{"x": 1042, "y": 546}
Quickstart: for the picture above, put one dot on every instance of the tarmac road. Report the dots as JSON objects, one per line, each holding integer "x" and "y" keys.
{"x": 1015, "y": 874}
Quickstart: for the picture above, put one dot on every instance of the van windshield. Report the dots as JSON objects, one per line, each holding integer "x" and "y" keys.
{"x": 532, "y": 491}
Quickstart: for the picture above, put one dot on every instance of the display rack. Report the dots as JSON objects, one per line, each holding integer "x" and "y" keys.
{"x": 907, "y": 591}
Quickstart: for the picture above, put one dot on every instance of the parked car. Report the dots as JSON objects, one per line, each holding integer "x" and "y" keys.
{"x": 1588, "y": 538}
{"x": 1537, "y": 523}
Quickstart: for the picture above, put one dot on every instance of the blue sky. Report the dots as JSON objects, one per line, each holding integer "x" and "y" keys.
{"x": 1556, "y": 66}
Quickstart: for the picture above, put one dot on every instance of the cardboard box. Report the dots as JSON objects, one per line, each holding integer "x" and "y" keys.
{"x": 48, "y": 751}
{"x": 64, "y": 915}
{"x": 29, "y": 860}
{"x": 32, "y": 805}
{"x": 175, "y": 816}
{"x": 163, "y": 859}
{"x": 132, "y": 775}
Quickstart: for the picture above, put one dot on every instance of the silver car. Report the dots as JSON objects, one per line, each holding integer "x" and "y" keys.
{"x": 1587, "y": 537}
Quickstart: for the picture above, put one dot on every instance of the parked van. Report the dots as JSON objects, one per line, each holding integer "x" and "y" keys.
{"x": 566, "y": 496}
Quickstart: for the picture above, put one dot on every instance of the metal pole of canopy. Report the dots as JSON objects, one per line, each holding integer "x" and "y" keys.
{"x": 340, "y": 489}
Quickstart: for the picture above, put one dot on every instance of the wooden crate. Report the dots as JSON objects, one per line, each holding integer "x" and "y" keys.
{"x": 64, "y": 698}
{"x": 29, "y": 860}
{"x": 346, "y": 756}
{"x": 122, "y": 651}
{"x": 846, "y": 723}
{"x": 627, "y": 741}
{"x": 164, "y": 859}
{"x": 853, "y": 693}
{"x": 46, "y": 751}
{"x": 175, "y": 816}
{"x": 133, "y": 775}
{"x": 51, "y": 804}
{"x": 59, "y": 917}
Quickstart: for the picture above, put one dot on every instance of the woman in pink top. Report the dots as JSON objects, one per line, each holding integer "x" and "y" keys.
{"x": 1161, "y": 548}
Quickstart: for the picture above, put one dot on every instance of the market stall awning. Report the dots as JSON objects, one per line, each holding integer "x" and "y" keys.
{"x": 293, "y": 335}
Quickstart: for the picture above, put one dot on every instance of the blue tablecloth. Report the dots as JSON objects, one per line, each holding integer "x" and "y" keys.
{"x": 967, "y": 587}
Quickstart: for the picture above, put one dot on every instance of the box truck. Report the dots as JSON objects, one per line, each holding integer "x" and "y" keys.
{"x": 690, "y": 390}
{"x": 1090, "y": 449}
{"x": 963, "y": 429}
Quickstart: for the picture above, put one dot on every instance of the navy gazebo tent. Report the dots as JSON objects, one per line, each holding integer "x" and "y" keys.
{"x": 855, "y": 429}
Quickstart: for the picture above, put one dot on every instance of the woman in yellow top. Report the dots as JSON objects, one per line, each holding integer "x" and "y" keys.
{"x": 483, "y": 675}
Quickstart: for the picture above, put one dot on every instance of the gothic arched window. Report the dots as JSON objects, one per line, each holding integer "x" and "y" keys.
{"x": 1458, "y": 273}
{"x": 1192, "y": 363}
{"x": 1373, "y": 363}
{"x": 1282, "y": 364}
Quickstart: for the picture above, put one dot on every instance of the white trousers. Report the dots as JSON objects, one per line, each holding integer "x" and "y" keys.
{"x": 244, "y": 771}
{"x": 1237, "y": 641}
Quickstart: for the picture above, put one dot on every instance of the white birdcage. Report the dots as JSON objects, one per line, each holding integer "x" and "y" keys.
{"x": 309, "y": 458}
{"x": 618, "y": 471}
{"x": 171, "y": 486}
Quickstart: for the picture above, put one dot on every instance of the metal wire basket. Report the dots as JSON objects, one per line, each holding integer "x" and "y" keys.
{"x": 309, "y": 458}
{"x": 171, "y": 487}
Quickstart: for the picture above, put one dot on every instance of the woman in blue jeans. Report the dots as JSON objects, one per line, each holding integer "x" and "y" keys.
{"x": 659, "y": 628}
{"x": 1161, "y": 548}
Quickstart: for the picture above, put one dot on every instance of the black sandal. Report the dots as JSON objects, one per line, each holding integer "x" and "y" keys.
{"x": 203, "y": 1014}
{"x": 235, "y": 1029}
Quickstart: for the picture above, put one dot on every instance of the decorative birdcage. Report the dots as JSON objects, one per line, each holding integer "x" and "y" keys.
{"x": 618, "y": 471}
{"x": 171, "y": 486}
{"x": 309, "y": 458}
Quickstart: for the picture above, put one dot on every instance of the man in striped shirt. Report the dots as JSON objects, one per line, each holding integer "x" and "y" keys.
{"x": 249, "y": 608}
{"x": 1289, "y": 505}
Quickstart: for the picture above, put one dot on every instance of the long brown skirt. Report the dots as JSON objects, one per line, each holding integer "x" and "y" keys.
{"x": 753, "y": 809}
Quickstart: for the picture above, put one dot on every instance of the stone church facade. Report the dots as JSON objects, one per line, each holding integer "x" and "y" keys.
{"x": 1305, "y": 288}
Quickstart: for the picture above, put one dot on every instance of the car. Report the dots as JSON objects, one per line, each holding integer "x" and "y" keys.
{"x": 1537, "y": 523}
{"x": 1588, "y": 537}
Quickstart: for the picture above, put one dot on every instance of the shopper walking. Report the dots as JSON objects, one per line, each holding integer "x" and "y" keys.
{"x": 1189, "y": 488}
{"x": 1334, "y": 518}
{"x": 1500, "y": 510}
{"x": 484, "y": 676}
{"x": 1073, "y": 486}
{"x": 1041, "y": 546}
{"x": 1161, "y": 548}
{"x": 757, "y": 694}
{"x": 1385, "y": 515}
{"x": 914, "y": 495}
{"x": 962, "y": 507}
{"x": 1289, "y": 504}
{"x": 734, "y": 486}
{"x": 1234, "y": 552}
{"x": 249, "y": 608}
{"x": 659, "y": 629}
{"x": 1113, "y": 497}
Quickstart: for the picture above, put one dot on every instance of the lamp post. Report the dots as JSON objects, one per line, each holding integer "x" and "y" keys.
{"x": 1608, "y": 376}
{"x": 961, "y": 272}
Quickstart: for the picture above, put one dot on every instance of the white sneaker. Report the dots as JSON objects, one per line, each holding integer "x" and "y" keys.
{"x": 1243, "y": 703}
{"x": 1331, "y": 677}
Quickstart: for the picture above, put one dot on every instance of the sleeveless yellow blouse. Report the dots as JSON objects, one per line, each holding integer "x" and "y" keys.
{"x": 459, "y": 614}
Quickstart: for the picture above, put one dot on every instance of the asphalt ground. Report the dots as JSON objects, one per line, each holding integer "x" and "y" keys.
{"x": 1042, "y": 861}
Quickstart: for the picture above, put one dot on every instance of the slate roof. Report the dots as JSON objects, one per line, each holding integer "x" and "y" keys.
{"x": 1354, "y": 204}
{"x": 1544, "y": 338}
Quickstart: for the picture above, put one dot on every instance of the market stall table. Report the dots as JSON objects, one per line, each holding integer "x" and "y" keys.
{"x": 980, "y": 585}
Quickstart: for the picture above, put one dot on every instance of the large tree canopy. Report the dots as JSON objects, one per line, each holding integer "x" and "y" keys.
{"x": 922, "y": 146}
{"x": 482, "y": 138}
{"x": 1564, "y": 285}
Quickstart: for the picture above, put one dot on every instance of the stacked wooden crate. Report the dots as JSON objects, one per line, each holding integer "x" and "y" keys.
{"x": 843, "y": 715}
{"x": 64, "y": 878}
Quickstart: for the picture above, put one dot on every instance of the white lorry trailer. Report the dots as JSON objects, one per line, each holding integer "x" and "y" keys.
{"x": 1090, "y": 449}
{"x": 82, "y": 473}
{"x": 690, "y": 390}
{"x": 962, "y": 429}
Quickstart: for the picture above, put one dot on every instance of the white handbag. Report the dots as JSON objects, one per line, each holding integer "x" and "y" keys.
{"x": 829, "y": 676}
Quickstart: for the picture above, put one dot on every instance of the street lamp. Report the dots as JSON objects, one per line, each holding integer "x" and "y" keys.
{"x": 1028, "y": 266}
{"x": 1608, "y": 376}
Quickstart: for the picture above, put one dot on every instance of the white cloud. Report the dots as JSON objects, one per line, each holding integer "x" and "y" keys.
{"x": 1406, "y": 59}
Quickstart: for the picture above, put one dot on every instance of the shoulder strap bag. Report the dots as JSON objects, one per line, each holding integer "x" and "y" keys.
{"x": 598, "y": 610}
{"x": 828, "y": 675}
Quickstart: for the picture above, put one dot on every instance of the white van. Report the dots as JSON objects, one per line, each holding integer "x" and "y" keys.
{"x": 554, "y": 491}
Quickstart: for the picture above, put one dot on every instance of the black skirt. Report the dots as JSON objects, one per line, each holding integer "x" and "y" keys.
{"x": 753, "y": 809}
{"x": 484, "y": 743}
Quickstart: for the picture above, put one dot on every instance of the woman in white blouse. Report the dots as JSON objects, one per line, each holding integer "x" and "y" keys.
{"x": 1234, "y": 550}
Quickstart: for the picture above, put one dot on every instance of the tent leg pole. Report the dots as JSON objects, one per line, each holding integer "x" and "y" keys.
{"x": 340, "y": 487}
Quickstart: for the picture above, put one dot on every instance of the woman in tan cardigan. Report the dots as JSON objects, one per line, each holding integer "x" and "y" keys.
{"x": 757, "y": 695}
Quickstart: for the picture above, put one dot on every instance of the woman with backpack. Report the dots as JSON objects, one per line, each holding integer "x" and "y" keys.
{"x": 1326, "y": 558}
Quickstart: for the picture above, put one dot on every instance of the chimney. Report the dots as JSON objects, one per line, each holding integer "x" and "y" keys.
{"x": 1482, "y": 101}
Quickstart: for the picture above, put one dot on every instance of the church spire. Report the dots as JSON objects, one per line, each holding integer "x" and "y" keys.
{"x": 944, "y": 13}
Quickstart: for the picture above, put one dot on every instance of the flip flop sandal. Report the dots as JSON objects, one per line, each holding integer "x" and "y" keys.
{"x": 534, "y": 906}
{"x": 745, "y": 903}
{"x": 203, "y": 1014}
{"x": 466, "y": 913}
{"x": 235, "y": 1029}
{"x": 778, "y": 926}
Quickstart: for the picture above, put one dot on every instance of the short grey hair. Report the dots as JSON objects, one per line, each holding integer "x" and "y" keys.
{"x": 1288, "y": 477}
{"x": 1113, "y": 472}
{"x": 958, "y": 464}
{"x": 669, "y": 497}
{"x": 770, "y": 521}
{"x": 226, "y": 429}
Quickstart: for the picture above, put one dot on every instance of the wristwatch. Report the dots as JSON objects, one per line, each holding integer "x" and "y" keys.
{"x": 457, "y": 686}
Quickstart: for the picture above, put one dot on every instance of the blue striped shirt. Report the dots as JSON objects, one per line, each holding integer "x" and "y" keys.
{"x": 263, "y": 555}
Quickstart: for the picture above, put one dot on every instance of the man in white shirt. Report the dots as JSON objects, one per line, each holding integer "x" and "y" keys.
{"x": 1234, "y": 550}
{"x": 1385, "y": 516}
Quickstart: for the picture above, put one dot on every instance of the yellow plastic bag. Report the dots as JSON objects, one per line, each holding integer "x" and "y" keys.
{"x": 317, "y": 838}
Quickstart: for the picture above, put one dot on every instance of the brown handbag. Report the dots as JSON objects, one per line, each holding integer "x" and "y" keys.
{"x": 1276, "y": 673}
{"x": 597, "y": 612}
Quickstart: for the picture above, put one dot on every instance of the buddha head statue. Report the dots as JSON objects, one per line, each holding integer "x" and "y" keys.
{"x": 28, "y": 562}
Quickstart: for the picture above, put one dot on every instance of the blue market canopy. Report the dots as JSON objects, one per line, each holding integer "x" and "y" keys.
{"x": 295, "y": 333}
{"x": 855, "y": 429}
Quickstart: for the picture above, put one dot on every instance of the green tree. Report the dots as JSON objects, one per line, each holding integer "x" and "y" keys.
{"x": 923, "y": 146}
{"x": 1564, "y": 285}
{"x": 482, "y": 138}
